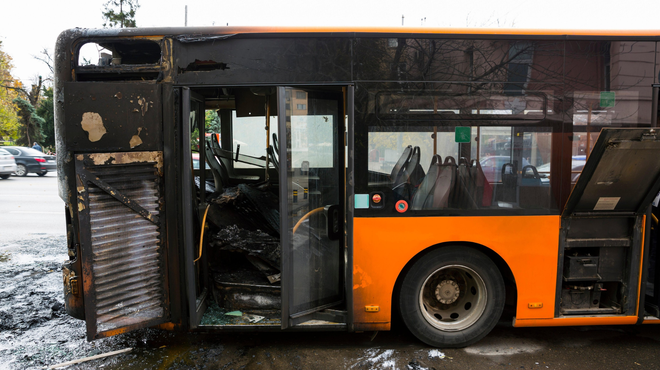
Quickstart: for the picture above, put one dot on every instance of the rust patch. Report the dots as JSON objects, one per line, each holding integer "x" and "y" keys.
{"x": 135, "y": 140}
{"x": 118, "y": 95}
{"x": 93, "y": 124}
{"x": 99, "y": 159}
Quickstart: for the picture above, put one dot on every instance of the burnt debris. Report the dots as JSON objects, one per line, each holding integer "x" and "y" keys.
{"x": 244, "y": 251}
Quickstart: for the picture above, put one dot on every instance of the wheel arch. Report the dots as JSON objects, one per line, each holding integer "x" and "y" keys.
{"x": 506, "y": 272}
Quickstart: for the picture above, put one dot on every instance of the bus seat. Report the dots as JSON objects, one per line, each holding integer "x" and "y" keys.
{"x": 274, "y": 153}
{"x": 435, "y": 189}
{"x": 530, "y": 176}
{"x": 444, "y": 184}
{"x": 276, "y": 145}
{"x": 483, "y": 189}
{"x": 464, "y": 192}
{"x": 224, "y": 157}
{"x": 410, "y": 176}
{"x": 533, "y": 193}
{"x": 398, "y": 167}
{"x": 415, "y": 169}
{"x": 508, "y": 191}
{"x": 428, "y": 183}
{"x": 220, "y": 174}
{"x": 274, "y": 160}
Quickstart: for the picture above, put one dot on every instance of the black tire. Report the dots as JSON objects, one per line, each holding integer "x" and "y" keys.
{"x": 42, "y": 173}
{"x": 21, "y": 170}
{"x": 469, "y": 284}
{"x": 4, "y": 177}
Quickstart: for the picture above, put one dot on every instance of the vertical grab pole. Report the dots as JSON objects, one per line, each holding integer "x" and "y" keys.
{"x": 588, "y": 149}
{"x": 267, "y": 135}
{"x": 654, "y": 105}
{"x": 435, "y": 129}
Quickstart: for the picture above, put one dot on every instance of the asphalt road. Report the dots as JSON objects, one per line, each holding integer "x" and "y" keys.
{"x": 30, "y": 207}
{"x": 36, "y": 332}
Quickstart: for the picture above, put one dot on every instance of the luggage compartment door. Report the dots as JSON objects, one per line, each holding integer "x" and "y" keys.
{"x": 119, "y": 204}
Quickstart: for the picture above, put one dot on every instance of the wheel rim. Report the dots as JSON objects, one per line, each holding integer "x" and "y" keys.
{"x": 20, "y": 170}
{"x": 453, "y": 298}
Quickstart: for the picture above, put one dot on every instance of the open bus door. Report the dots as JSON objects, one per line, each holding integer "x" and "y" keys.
{"x": 312, "y": 170}
{"x": 603, "y": 239}
{"x": 194, "y": 276}
{"x": 652, "y": 298}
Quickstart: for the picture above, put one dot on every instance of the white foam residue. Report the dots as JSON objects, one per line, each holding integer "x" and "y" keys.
{"x": 377, "y": 359}
{"x": 434, "y": 353}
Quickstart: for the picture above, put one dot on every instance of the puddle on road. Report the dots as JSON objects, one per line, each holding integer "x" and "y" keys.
{"x": 491, "y": 346}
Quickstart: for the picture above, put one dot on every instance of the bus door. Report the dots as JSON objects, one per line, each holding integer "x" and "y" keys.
{"x": 194, "y": 273}
{"x": 602, "y": 239}
{"x": 312, "y": 170}
{"x": 652, "y": 298}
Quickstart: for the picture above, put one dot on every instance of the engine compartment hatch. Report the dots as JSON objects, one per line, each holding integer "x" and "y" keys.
{"x": 621, "y": 176}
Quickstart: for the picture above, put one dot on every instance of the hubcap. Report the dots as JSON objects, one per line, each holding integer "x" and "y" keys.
{"x": 447, "y": 292}
{"x": 20, "y": 170}
{"x": 453, "y": 298}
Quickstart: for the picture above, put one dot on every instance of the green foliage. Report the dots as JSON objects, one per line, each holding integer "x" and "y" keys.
{"x": 9, "y": 122}
{"x": 211, "y": 125}
{"x": 212, "y": 121}
{"x": 45, "y": 110}
{"x": 29, "y": 130}
{"x": 120, "y": 13}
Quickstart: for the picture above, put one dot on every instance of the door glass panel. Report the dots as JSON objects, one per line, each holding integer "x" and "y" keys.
{"x": 314, "y": 173}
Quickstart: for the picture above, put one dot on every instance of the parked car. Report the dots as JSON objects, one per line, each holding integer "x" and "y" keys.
{"x": 195, "y": 162}
{"x": 30, "y": 160}
{"x": 7, "y": 164}
{"x": 577, "y": 164}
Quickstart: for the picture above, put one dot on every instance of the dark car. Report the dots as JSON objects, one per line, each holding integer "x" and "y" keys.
{"x": 30, "y": 160}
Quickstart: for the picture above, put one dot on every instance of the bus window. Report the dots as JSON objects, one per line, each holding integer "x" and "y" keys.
{"x": 245, "y": 139}
{"x": 500, "y": 167}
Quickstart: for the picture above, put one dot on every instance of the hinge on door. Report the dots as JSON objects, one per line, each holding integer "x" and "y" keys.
{"x": 70, "y": 282}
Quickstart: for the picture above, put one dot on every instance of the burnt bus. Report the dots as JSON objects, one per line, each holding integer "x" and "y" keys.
{"x": 327, "y": 179}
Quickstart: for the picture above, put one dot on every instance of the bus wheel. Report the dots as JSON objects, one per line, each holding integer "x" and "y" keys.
{"x": 452, "y": 297}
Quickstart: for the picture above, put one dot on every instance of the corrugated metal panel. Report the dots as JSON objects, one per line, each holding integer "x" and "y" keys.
{"x": 124, "y": 249}
{"x": 125, "y": 246}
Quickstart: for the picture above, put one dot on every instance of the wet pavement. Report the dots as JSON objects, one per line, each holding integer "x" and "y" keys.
{"x": 35, "y": 332}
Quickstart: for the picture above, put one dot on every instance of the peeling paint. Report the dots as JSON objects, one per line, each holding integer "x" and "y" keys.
{"x": 81, "y": 207}
{"x": 135, "y": 140}
{"x": 143, "y": 105}
{"x": 93, "y": 124}
{"x": 99, "y": 159}
{"x": 360, "y": 278}
{"x": 118, "y": 95}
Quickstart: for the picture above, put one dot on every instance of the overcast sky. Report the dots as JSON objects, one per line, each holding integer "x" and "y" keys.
{"x": 29, "y": 26}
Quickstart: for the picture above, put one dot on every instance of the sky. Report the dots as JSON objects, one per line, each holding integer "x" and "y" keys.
{"x": 30, "y": 26}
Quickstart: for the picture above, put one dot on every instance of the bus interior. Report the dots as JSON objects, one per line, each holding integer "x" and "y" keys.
{"x": 237, "y": 192}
